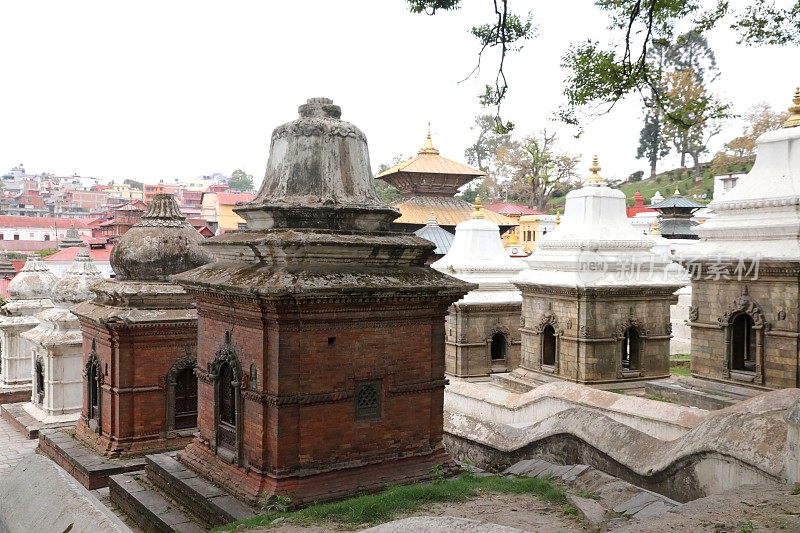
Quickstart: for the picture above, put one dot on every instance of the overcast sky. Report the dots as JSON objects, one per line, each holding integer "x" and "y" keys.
{"x": 178, "y": 89}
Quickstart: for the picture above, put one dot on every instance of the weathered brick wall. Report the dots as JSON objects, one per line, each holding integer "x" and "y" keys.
{"x": 470, "y": 328}
{"x": 300, "y": 412}
{"x": 777, "y": 298}
{"x": 134, "y": 390}
{"x": 589, "y": 345}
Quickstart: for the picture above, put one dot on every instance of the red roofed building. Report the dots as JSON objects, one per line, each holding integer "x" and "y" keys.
{"x": 217, "y": 210}
{"x": 59, "y": 262}
{"x": 638, "y": 206}
{"x": 513, "y": 211}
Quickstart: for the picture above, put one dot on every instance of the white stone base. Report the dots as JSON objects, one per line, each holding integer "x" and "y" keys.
{"x": 46, "y": 418}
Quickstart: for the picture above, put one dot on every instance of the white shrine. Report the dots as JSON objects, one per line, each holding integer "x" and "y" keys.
{"x": 482, "y": 329}
{"x": 596, "y": 296}
{"x": 745, "y": 314}
{"x": 57, "y": 349}
{"x": 30, "y": 294}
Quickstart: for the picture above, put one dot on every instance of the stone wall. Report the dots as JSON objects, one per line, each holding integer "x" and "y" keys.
{"x": 773, "y": 300}
{"x": 590, "y": 328}
{"x": 681, "y": 342}
{"x": 470, "y": 328}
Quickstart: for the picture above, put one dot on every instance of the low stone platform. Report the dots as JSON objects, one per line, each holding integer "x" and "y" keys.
{"x": 701, "y": 393}
{"x": 25, "y": 423}
{"x": 90, "y": 468}
{"x": 522, "y": 381}
{"x": 170, "y": 497}
{"x": 15, "y": 394}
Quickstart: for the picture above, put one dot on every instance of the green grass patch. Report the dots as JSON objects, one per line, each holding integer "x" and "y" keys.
{"x": 680, "y": 357}
{"x": 382, "y": 507}
{"x": 682, "y": 371}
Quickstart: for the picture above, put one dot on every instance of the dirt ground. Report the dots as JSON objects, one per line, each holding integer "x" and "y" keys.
{"x": 746, "y": 509}
{"x": 523, "y": 511}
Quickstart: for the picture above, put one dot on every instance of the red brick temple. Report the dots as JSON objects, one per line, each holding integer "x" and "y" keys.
{"x": 139, "y": 340}
{"x": 320, "y": 331}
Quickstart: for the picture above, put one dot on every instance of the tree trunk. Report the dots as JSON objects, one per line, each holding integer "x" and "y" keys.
{"x": 653, "y": 163}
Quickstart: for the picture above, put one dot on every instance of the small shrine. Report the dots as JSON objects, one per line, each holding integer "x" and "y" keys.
{"x": 30, "y": 294}
{"x": 140, "y": 339}
{"x": 442, "y": 238}
{"x": 676, "y": 216}
{"x": 71, "y": 239}
{"x": 56, "y": 355}
{"x": 596, "y": 298}
{"x": 321, "y": 332}
{"x": 428, "y": 184}
{"x": 744, "y": 317}
{"x": 482, "y": 328}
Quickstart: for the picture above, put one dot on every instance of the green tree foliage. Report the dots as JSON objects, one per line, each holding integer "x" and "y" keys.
{"x": 240, "y": 181}
{"x": 534, "y": 168}
{"x": 482, "y": 153}
{"x": 386, "y": 192}
{"x": 602, "y": 74}
{"x": 636, "y": 176}
{"x": 740, "y": 152}
{"x": 133, "y": 184}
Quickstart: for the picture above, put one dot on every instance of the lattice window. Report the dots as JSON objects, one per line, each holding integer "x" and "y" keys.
{"x": 368, "y": 400}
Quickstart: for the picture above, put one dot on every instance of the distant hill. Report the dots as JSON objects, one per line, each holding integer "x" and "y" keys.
{"x": 665, "y": 183}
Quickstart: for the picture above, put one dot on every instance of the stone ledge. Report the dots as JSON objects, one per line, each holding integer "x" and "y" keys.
{"x": 91, "y": 469}
{"x": 26, "y": 424}
{"x": 148, "y": 508}
{"x": 211, "y": 504}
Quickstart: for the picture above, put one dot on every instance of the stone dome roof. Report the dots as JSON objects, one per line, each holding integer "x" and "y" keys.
{"x": 318, "y": 176}
{"x": 73, "y": 287}
{"x": 160, "y": 245}
{"x": 34, "y": 281}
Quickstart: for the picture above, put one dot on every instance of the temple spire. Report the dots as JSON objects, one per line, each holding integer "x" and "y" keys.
{"x": 594, "y": 177}
{"x": 428, "y": 148}
{"x": 478, "y": 208}
{"x": 794, "y": 111}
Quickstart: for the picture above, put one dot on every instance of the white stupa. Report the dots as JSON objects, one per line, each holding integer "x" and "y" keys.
{"x": 596, "y": 295}
{"x": 30, "y": 294}
{"x": 745, "y": 267}
{"x": 760, "y": 215}
{"x": 477, "y": 255}
{"x": 482, "y": 327}
{"x": 596, "y": 245}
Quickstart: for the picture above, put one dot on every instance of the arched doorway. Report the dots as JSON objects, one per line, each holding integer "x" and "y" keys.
{"x": 39, "y": 379}
{"x": 630, "y": 350}
{"x": 743, "y": 344}
{"x": 226, "y": 395}
{"x": 186, "y": 399}
{"x": 498, "y": 347}
{"x": 93, "y": 392}
{"x": 548, "y": 346}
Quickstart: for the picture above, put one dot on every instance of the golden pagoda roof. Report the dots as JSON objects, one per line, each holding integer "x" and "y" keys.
{"x": 450, "y": 211}
{"x": 429, "y": 173}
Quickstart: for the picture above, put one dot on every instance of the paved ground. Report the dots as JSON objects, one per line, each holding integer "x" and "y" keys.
{"x": 13, "y": 447}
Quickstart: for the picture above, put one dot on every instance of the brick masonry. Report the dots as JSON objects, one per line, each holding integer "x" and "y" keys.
{"x": 774, "y": 297}
{"x": 135, "y": 363}
{"x": 589, "y": 326}
{"x": 302, "y": 361}
{"x": 470, "y": 328}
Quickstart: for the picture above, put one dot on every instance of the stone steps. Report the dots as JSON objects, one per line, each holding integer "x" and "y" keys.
{"x": 170, "y": 497}
{"x": 613, "y": 501}
{"x": 148, "y": 508}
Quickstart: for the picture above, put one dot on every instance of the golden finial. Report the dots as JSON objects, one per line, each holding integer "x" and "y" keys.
{"x": 428, "y": 148}
{"x": 558, "y": 213}
{"x": 595, "y": 178}
{"x": 513, "y": 240}
{"x": 794, "y": 111}
{"x": 478, "y": 208}
{"x": 655, "y": 228}
{"x": 677, "y": 191}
